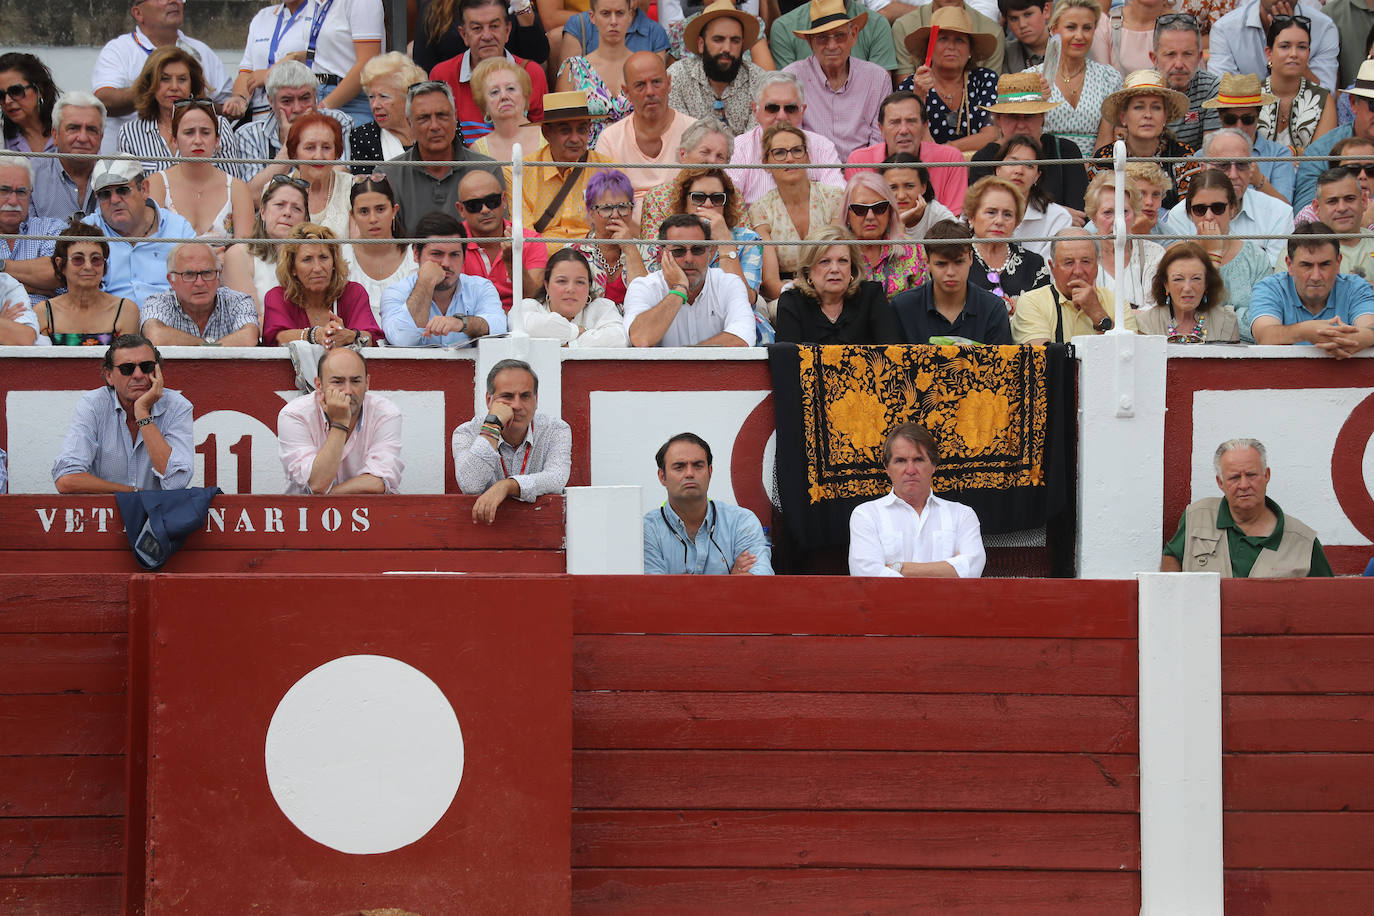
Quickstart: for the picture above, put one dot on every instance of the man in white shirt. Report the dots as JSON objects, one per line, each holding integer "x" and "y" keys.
{"x": 911, "y": 531}
{"x": 778, "y": 98}
{"x": 157, "y": 24}
{"x": 687, "y": 304}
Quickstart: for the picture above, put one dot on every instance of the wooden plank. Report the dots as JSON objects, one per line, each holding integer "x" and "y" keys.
{"x": 831, "y": 892}
{"x": 844, "y": 780}
{"x": 62, "y": 724}
{"x": 299, "y": 561}
{"x": 61, "y": 786}
{"x": 59, "y": 896}
{"x": 1347, "y": 560}
{"x": 1297, "y": 782}
{"x": 65, "y": 603}
{"x": 850, "y": 721}
{"x": 68, "y": 662}
{"x": 1297, "y": 664}
{"x": 1292, "y": 607}
{"x": 61, "y": 846}
{"x": 1297, "y": 723}
{"x": 1290, "y": 839}
{"x": 868, "y": 839}
{"x": 1043, "y": 608}
{"x": 864, "y": 664}
{"x": 1272, "y": 892}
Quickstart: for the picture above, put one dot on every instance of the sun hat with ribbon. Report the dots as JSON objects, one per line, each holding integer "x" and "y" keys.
{"x": 826, "y": 15}
{"x": 1364, "y": 81}
{"x": 566, "y": 106}
{"x": 1240, "y": 90}
{"x": 1019, "y": 93}
{"x": 721, "y": 9}
{"x": 1144, "y": 82}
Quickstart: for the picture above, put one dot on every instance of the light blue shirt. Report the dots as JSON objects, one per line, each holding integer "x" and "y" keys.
{"x": 726, "y": 533}
{"x": 1259, "y": 214}
{"x": 4, "y": 472}
{"x": 137, "y": 270}
{"x": 1282, "y": 175}
{"x": 1314, "y": 162}
{"x": 25, "y": 249}
{"x": 1237, "y": 42}
{"x": 474, "y": 297}
{"x": 1277, "y": 297}
{"x": 98, "y": 442}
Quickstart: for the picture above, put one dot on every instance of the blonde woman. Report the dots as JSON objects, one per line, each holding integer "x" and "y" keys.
{"x": 831, "y": 302}
{"x": 385, "y": 78}
{"x": 1142, "y": 257}
{"x": 314, "y": 300}
{"x": 1082, "y": 84}
{"x": 502, "y": 90}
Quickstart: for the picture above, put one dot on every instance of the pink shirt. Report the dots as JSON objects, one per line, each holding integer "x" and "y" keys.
{"x": 752, "y": 184}
{"x": 849, "y": 117}
{"x": 353, "y": 308}
{"x": 618, "y": 144}
{"x": 950, "y": 184}
{"x": 477, "y": 264}
{"x": 374, "y": 446}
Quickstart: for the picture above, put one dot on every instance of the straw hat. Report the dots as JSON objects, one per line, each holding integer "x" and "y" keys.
{"x": 1144, "y": 82}
{"x": 566, "y": 106}
{"x": 952, "y": 19}
{"x": 826, "y": 15}
{"x": 721, "y": 8}
{"x": 1240, "y": 90}
{"x": 1364, "y": 81}
{"x": 1019, "y": 93}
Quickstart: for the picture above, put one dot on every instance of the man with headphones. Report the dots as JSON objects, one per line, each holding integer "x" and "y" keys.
{"x": 691, "y": 534}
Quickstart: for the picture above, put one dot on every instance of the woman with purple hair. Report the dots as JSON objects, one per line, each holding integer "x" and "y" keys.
{"x": 869, "y": 211}
{"x": 610, "y": 207}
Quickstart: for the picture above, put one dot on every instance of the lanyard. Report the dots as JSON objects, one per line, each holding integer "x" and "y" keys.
{"x": 278, "y": 32}
{"x": 145, "y": 49}
{"x": 523, "y": 465}
{"x": 315, "y": 28}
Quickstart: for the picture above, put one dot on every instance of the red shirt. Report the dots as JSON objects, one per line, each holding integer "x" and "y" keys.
{"x": 475, "y": 264}
{"x": 472, "y": 123}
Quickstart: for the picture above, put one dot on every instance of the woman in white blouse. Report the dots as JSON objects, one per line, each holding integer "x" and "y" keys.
{"x": 377, "y": 216}
{"x": 569, "y": 313}
{"x": 1142, "y": 256}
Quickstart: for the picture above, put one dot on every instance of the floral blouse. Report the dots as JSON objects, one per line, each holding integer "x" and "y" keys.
{"x": 608, "y": 280}
{"x": 599, "y": 98}
{"x": 770, "y": 211}
{"x": 1308, "y": 106}
{"x": 902, "y": 267}
{"x": 980, "y": 88}
{"x": 1080, "y": 123}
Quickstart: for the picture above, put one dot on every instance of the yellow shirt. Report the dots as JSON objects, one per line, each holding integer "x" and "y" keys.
{"x": 541, "y": 186}
{"x": 1034, "y": 318}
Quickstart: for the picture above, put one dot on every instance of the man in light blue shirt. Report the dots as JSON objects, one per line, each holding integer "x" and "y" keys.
{"x": 1313, "y": 303}
{"x": 132, "y": 434}
{"x": 1237, "y": 41}
{"x": 439, "y": 306}
{"x": 137, "y": 269}
{"x": 693, "y": 534}
{"x": 1314, "y": 158}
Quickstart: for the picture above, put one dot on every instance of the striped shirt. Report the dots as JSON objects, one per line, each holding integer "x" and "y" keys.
{"x": 262, "y": 139}
{"x": 140, "y": 137}
{"x": 26, "y": 249}
{"x": 233, "y": 310}
{"x": 1198, "y": 120}
{"x": 98, "y": 443}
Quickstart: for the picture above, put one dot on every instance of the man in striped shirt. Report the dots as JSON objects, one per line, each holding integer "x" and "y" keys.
{"x": 485, "y": 26}
{"x": 291, "y": 89}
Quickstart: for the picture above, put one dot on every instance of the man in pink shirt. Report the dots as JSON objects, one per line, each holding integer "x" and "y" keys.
{"x": 902, "y": 121}
{"x": 780, "y": 98}
{"x": 651, "y": 134}
{"x": 342, "y": 439}
{"x": 845, "y": 91}
{"x": 482, "y": 206}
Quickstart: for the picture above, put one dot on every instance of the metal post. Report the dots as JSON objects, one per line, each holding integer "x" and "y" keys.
{"x": 515, "y": 325}
{"x": 1119, "y": 231}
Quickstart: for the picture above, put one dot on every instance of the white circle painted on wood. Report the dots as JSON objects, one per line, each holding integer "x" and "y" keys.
{"x": 364, "y": 754}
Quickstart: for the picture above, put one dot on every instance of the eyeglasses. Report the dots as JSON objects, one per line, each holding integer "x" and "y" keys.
{"x": 6, "y": 191}
{"x": 995, "y": 278}
{"x": 80, "y": 260}
{"x": 17, "y": 91}
{"x": 478, "y": 204}
{"x": 1234, "y": 166}
{"x": 146, "y": 367}
{"x": 680, "y": 251}
{"x": 862, "y": 210}
{"x": 122, "y": 190}
{"x": 624, "y": 208}
{"x": 292, "y": 180}
{"x": 192, "y": 276}
{"x": 790, "y": 108}
{"x": 415, "y": 89}
{"x": 714, "y": 198}
{"x": 1217, "y": 207}
{"x": 1303, "y": 21}
{"x": 793, "y": 152}
{"x": 1230, "y": 119}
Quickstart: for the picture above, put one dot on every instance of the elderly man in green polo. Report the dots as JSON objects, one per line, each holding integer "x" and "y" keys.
{"x": 1243, "y": 533}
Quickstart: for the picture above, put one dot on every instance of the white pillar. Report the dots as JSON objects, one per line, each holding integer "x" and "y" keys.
{"x": 1180, "y": 745}
{"x": 1120, "y": 454}
{"x": 543, "y": 356}
{"x": 605, "y": 531}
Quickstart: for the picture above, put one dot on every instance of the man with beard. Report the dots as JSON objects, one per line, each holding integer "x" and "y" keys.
{"x": 27, "y": 260}
{"x": 718, "y": 82}
{"x": 553, "y": 198}
{"x": 486, "y": 26}
{"x": 482, "y": 207}
{"x": 343, "y": 439}
{"x": 62, "y": 187}
{"x": 653, "y": 133}
{"x": 687, "y": 303}
{"x": 436, "y": 306}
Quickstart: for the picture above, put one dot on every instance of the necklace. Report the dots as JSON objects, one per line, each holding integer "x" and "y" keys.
{"x": 1199, "y": 331}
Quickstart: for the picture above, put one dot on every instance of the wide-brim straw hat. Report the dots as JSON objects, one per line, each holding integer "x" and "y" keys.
{"x": 1145, "y": 82}
{"x": 826, "y": 15}
{"x": 1240, "y": 90}
{"x": 717, "y": 10}
{"x": 566, "y": 106}
{"x": 1019, "y": 93}
{"x": 952, "y": 19}
{"x": 1364, "y": 81}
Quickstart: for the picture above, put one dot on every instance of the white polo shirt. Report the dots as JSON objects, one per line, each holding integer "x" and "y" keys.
{"x": 272, "y": 35}
{"x": 722, "y": 305}
{"x": 345, "y": 22}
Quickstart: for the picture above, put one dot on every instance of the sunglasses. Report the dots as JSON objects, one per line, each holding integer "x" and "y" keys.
{"x": 17, "y": 91}
{"x": 714, "y": 198}
{"x": 795, "y": 152}
{"x": 620, "y": 209}
{"x": 1217, "y": 207}
{"x": 1362, "y": 169}
{"x": 146, "y": 367}
{"x": 415, "y": 89}
{"x": 208, "y": 104}
{"x": 1304, "y": 21}
{"x": 1230, "y": 119}
{"x": 862, "y": 210}
{"x": 191, "y": 276}
{"x": 122, "y": 190}
{"x": 292, "y": 180}
{"x": 1177, "y": 17}
{"x": 680, "y": 251}
{"x": 773, "y": 108}
{"x": 375, "y": 178}
{"x": 478, "y": 204}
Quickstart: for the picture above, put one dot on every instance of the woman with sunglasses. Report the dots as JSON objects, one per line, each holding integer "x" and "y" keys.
{"x": 795, "y": 207}
{"x": 385, "y": 78}
{"x": 870, "y": 214}
{"x": 215, "y": 203}
{"x": 27, "y": 97}
{"x": 1142, "y": 256}
{"x": 170, "y": 78}
{"x": 1191, "y": 299}
{"x": 1042, "y": 217}
{"x": 251, "y": 267}
{"x": 610, "y": 204}
{"x": 1304, "y": 109}
{"x": 711, "y": 195}
{"x": 319, "y": 138}
{"x": 85, "y": 315}
{"x": 1212, "y": 204}
{"x": 909, "y": 182}
{"x": 502, "y": 90}
{"x": 375, "y": 213}
{"x": 568, "y": 310}
{"x": 831, "y": 302}
{"x": 994, "y": 208}
{"x": 706, "y": 142}
{"x": 314, "y": 300}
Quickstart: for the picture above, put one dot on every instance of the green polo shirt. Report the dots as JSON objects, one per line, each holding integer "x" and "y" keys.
{"x": 1244, "y": 549}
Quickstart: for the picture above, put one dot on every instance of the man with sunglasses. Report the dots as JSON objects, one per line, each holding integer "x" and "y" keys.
{"x": 482, "y": 207}
{"x": 437, "y": 306}
{"x": 198, "y": 311}
{"x": 136, "y": 269}
{"x": 687, "y": 303}
{"x": 130, "y": 434}
{"x": 25, "y": 259}
{"x": 1237, "y": 105}
{"x": 778, "y": 98}
{"x": 1362, "y": 170}
{"x": 291, "y": 92}
{"x": 1237, "y": 40}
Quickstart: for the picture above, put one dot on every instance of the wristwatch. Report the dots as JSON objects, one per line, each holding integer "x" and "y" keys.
{"x": 4, "y": 262}
{"x": 1105, "y": 325}
{"x": 145, "y": 421}
{"x": 732, "y": 255}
